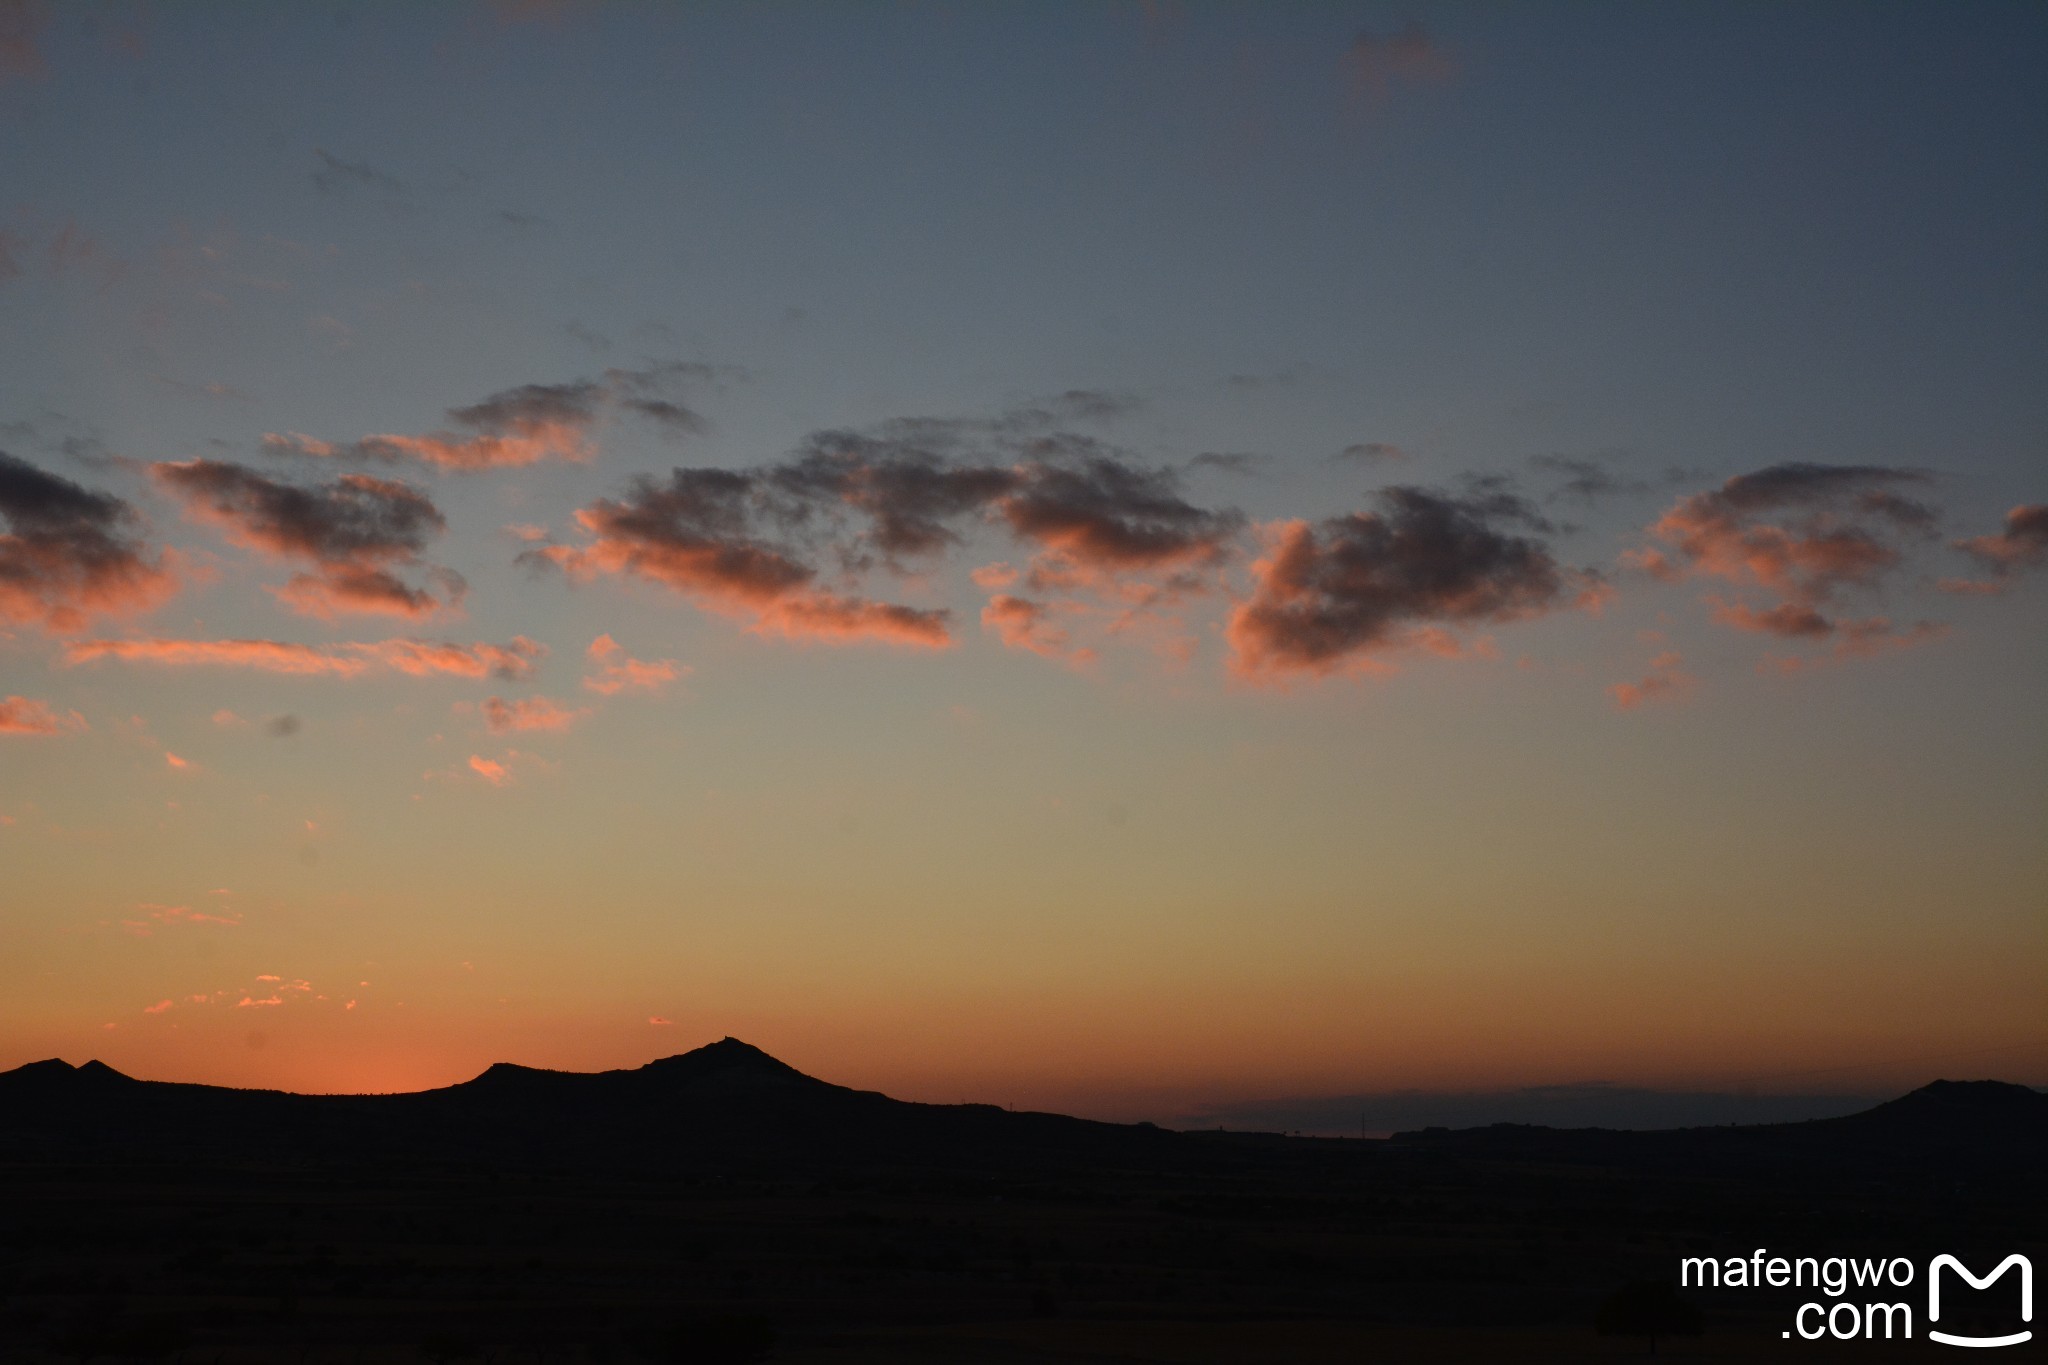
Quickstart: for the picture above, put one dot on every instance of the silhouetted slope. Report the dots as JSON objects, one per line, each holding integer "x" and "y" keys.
{"x": 1953, "y": 1129}
{"x": 730, "y": 1106}
{"x": 724, "y": 1106}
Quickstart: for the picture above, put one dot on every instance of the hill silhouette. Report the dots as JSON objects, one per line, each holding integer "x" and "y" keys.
{"x": 730, "y": 1105}
{"x": 725, "y": 1105}
{"x": 649, "y": 1213}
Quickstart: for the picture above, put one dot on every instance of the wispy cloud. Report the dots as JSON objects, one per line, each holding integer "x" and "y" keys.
{"x": 1376, "y": 64}
{"x": 490, "y": 770}
{"x": 503, "y": 717}
{"x": 335, "y": 175}
{"x": 618, "y": 671}
{"x": 2021, "y": 544}
{"x": 21, "y": 29}
{"x": 1667, "y": 680}
{"x": 23, "y": 716}
{"x": 527, "y": 424}
{"x": 418, "y": 658}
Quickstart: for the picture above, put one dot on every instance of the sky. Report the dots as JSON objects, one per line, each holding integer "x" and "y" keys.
{"x": 1169, "y": 561}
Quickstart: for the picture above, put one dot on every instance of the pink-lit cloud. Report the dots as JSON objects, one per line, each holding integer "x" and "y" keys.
{"x": 513, "y": 661}
{"x": 491, "y": 771}
{"x": 1021, "y": 623}
{"x": 353, "y": 531}
{"x": 521, "y": 426}
{"x": 618, "y": 671}
{"x": 23, "y": 716}
{"x": 1864, "y": 639}
{"x": 1800, "y": 535}
{"x": 690, "y": 534}
{"x": 1340, "y": 595}
{"x": 156, "y": 916}
{"x": 2021, "y": 544}
{"x": 529, "y": 713}
{"x": 1666, "y": 681}
{"x": 70, "y": 554}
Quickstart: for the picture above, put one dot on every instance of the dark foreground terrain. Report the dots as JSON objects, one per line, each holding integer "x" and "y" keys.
{"x": 720, "y": 1207}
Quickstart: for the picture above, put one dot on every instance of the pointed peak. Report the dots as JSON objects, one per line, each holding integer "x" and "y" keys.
{"x": 726, "y": 1056}
{"x": 100, "y": 1071}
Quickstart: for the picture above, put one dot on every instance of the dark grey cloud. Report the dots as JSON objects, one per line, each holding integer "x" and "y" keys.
{"x": 70, "y": 553}
{"x": 2020, "y": 545}
{"x": 355, "y": 530}
{"x": 352, "y": 519}
{"x": 283, "y": 727}
{"x": 910, "y": 498}
{"x": 757, "y": 540}
{"x": 1372, "y": 452}
{"x": 1588, "y": 480}
{"x": 1230, "y": 462}
{"x": 1104, "y": 513}
{"x": 529, "y": 423}
{"x": 1332, "y": 593}
{"x": 1804, "y": 534}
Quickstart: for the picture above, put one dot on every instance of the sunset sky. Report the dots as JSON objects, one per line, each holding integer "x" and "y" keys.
{"x": 1126, "y": 558}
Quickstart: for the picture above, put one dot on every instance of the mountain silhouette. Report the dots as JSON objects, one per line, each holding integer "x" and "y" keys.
{"x": 731, "y": 1106}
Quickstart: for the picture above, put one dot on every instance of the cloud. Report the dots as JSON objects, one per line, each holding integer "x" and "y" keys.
{"x": 1024, "y": 624}
{"x": 618, "y": 671}
{"x": 21, "y": 27}
{"x": 1335, "y": 596}
{"x": 1667, "y": 680}
{"x": 658, "y": 1021}
{"x": 155, "y": 916}
{"x": 1865, "y": 639}
{"x": 906, "y": 494}
{"x": 695, "y": 534}
{"x": 353, "y": 530}
{"x": 1103, "y": 515}
{"x": 491, "y": 771}
{"x": 282, "y": 727}
{"x": 1788, "y": 620}
{"x": 513, "y": 661}
{"x": 22, "y": 716}
{"x": 334, "y": 175}
{"x": 757, "y": 543}
{"x": 524, "y": 425}
{"x": 70, "y": 554}
{"x": 2005, "y": 554}
{"x": 529, "y": 713}
{"x": 1376, "y": 62}
{"x": 158, "y": 1008}
{"x": 1586, "y": 480}
{"x": 1230, "y": 462}
{"x": 1801, "y": 534}
{"x": 1373, "y": 452}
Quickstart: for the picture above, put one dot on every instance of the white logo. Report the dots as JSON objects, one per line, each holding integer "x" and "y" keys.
{"x": 2026, "y": 1298}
